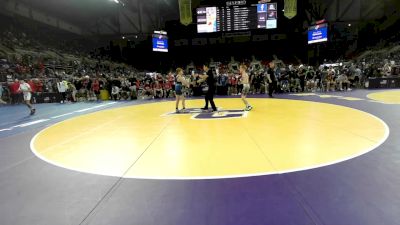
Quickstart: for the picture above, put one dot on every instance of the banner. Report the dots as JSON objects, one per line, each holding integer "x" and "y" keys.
{"x": 290, "y": 8}
{"x": 185, "y": 11}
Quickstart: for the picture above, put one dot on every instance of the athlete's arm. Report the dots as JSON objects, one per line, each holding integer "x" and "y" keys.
{"x": 184, "y": 81}
{"x": 202, "y": 78}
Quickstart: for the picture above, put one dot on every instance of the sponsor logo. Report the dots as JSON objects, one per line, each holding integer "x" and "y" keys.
{"x": 198, "y": 114}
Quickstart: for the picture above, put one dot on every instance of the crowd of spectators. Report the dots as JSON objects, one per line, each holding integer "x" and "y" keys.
{"x": 17, "y": 33}
{"x": 85, "y": 83}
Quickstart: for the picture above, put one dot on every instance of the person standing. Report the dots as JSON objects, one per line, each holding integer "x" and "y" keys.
{"x": 1, "y": 95}
{"x": 246, "y": 86}
{"x": 271, "y": 78}
{"x": 14, "y": 87}
{"x": 302, "y": 77}
{"x": 180, "y": 82}
{"x": 26, "y": 91}
{"x": 72, "y": 88}
{"x": 95, "y": 88}
{"x": 62, "y": 89}
{"x": 209, "y": 78}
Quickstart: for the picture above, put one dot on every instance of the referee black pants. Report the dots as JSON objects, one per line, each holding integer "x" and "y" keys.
{"x": 210, "y": 98}
{"x": 272, "y": 88}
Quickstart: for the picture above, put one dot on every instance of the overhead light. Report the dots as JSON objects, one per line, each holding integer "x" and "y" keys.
{"x": 116, "y": 1}
{"x": 123, "y": 37}
{"x": 349, "y": 25}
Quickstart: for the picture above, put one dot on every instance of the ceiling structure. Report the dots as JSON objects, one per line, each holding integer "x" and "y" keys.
{"x": 134, "y": 17}
{"x": 354, "y": 10}
{"x": 109, "y": 17}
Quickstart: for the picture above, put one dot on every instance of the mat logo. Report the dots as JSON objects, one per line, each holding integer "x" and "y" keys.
{"x": 198, "y": 114}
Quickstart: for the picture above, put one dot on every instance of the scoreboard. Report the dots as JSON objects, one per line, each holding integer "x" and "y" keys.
{"x": 160, "y": 41}
{"x": 318, "y": 33}
{"x": 237, "y": 18}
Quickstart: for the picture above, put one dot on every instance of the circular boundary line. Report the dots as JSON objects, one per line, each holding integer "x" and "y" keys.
{"x": 382, "y": 101}
{"x": 385, "y": 137}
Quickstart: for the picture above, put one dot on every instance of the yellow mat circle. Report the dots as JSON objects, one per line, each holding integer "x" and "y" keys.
{"x": 388, "y": 97}
{"x": 145, "y": 141}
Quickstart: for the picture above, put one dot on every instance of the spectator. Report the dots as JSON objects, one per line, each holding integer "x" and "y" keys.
{"x": 1, "y": 95}
{"x": 302, "y": 76}
{"x": 73, "y": 91}
{"x": 148, "y": 89}
{"x": 115, "y": 93}
{"x": 168, "y": 90}
{"x": 330, "y": 82}
{"x": 158, "y": 89}
{"x": 62, "y": 88}
{"x": 95, "y": 89}
{"x": 342, "y": 78}
{"x": 38, "y": 85}
{"x": 15, "y": 94}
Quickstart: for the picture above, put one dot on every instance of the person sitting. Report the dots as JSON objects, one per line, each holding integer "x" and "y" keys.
{"x": 168, "y": 90}
{"x": 1, "y": 95}
{"x": 330, "y": 82}
{"x": 158, "y": 89}
{"x": 148, "y": 89}
{"x": 115, "y": 93}
{"x": 342, "y": 78}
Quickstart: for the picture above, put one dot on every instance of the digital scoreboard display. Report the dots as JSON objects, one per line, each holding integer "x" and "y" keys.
{"x": 237, "y": 18}
{"x": 160, "y": 41}
{"x": 318, "y": 33}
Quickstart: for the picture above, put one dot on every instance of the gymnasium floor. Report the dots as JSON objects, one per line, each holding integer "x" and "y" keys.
{"x": 312, "y": 159}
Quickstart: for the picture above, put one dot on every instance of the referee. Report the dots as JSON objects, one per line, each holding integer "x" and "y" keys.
{"x": 272, "y": 83}
{"x": 210, "y": 80}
